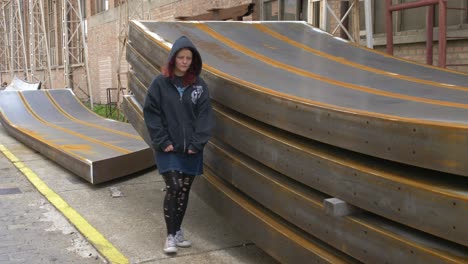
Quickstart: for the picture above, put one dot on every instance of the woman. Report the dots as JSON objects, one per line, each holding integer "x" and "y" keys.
{"x": 178, "y": 116}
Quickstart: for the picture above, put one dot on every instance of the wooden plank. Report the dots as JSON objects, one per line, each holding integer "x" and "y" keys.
{"x": 234, "y": 13}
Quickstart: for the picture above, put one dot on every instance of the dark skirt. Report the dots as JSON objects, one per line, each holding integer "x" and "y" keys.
{"x": 171, "y": 161}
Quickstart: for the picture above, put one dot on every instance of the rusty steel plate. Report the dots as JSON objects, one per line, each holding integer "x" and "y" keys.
{"x": 425, "y": 126}
{"x": 96, "y": 149}
{"x": 361, "y": 235}
{"x": 402, "y": 193}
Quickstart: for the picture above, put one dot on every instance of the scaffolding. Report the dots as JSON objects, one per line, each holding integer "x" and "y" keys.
{"x": 4, "y": 43}
{"x": 128, "y": 10}
{"x": 39, "y": 57}
{"x": 31, "y": 33}
{"x": 352, "y": 9}
{"x": 75, "y": 50}
{"x": 15, "y": 48}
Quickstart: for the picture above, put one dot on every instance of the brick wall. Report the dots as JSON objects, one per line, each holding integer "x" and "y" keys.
{"x": 103, "y": 46}
{"x": 457, "y": 53}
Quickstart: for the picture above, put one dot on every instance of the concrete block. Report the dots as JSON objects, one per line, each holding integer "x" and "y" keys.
{"x": 336, "y": 207}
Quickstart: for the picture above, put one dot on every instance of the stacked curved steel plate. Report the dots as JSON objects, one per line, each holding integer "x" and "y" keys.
{"x": 301, "y": 117}
{"x": 56, "y": 124}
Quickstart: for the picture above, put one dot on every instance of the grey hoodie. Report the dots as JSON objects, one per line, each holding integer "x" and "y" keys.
{"x": 183, "y": 121}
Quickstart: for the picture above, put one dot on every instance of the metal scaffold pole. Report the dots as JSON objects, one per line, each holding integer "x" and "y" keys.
{"x": 66, "y": 48}
{"x": 75, "y": 53}
{"x": 85, "y": 53}
{"x": 352, "y": 10}
{"x": 18, "y": 55}
{"x": 4, "y": 40}
{"x": 39, "y": 57}
{"x": 136, "y": 9}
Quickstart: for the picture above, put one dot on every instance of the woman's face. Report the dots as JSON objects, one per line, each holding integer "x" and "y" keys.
{"x": 182, "y": 62}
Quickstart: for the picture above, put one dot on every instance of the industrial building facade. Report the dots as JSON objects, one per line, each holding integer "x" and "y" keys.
{"x": 45, "y": 40}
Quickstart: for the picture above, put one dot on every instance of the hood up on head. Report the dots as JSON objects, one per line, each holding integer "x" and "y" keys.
{"x": 184, "y": 42}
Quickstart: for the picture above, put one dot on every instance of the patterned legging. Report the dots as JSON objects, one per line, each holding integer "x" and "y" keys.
{"x": 177, "y": 195}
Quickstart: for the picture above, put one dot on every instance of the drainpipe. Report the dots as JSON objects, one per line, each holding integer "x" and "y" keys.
{"x": 442, "y": 33}
{"x": 430, "y": 34}
{"x": 389, "y": 26}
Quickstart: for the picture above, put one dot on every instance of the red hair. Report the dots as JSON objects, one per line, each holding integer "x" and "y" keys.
{"x": 189, "y": 76}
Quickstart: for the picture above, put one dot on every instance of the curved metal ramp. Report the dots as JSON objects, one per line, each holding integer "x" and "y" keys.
{"x": 20, "y": 85}
{"x": 53, "y": 123}
{"x": 419, "y": 118}
{"x": 254, "y": 165}
{"x": 290, "y": 245}
{"x": 303, "y": 207}
{"x": 293, "y": 163}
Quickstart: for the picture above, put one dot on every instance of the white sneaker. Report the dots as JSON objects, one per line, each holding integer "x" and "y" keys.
{"x": 181, "y": 241}
{"x": 170, "y": 246}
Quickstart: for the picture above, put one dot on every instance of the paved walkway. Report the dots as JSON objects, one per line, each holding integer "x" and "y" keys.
{"x": 34, "y": 231}
{"x": 31, "y": 230}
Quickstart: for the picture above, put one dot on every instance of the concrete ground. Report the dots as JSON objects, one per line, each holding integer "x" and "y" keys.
{"x": 127, "y": 212}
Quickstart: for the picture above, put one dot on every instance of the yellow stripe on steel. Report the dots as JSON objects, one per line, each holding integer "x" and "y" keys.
{"x": 447, "y": 258}
{"x": 137, "y": 109}
{"x": 205, "y": 28}
{"x": 238, "y": 160}
{"x": 67, "y": 115}
{"x": 139, "y": 81}
{"x": 308, "y": 245}
{"x": 302, "y": 100}
{"x": 363, "y": 167}
{"x": 341, "y": 60}
{"x": 40, "y": 119}
{"x": 7, "y": 122}
{"x": 104, "y": 247}
{"x": 319, "y": 206}
{"x": 136, "y": 53}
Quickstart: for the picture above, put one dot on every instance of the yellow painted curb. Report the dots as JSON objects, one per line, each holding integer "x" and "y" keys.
{"x": 104, "y": 247}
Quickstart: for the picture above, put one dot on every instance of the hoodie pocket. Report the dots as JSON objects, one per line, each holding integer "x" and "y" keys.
{"x": 175, "y": 135}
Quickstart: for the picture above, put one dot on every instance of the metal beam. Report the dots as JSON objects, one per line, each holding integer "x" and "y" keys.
{"x": 75, "y": 55}
{"x": 390, "y": 8}
{"x": 39, "y": 58}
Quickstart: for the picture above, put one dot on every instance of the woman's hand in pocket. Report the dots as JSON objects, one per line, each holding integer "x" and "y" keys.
{"x": 169, "y": 148}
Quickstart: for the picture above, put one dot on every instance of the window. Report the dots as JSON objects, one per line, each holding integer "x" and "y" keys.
{"x": 101, "y": 5}
{"x": 285, "y": 10}
{"x": 290, "y": 10}
{"x": 271, "y": 10}
{"x": 314, "y": 13}
{"x": 415, "y": 19}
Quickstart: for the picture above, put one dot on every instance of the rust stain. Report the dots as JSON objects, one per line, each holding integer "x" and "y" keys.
{"x": 77, "y": 147}
{"x": 450, "y": 163}
{"x": 40, "y": 119}
{"x": 460, "y": 138}
{"x": 341, "y": 84}
{"x": 265, "y": 90}
{"x": 342, "y": 60}
{"x": 31, "y": 133}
